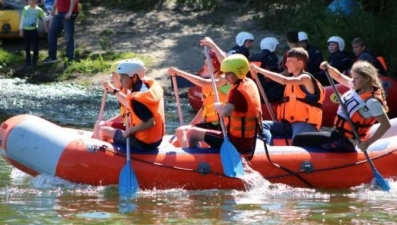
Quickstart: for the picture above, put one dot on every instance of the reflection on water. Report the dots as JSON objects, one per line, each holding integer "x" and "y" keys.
{"x": 49, "y": 200}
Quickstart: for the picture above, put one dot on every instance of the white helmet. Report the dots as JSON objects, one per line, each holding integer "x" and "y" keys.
{"x": 242, "y": 37}
{"x": 131, "y": 67}
{"x": 302, "y": 36}
{"x": 269, "y": 43}
{"x": 338, "y": 40}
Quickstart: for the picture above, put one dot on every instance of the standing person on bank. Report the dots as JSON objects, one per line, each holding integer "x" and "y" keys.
{"x": 28, "y": 30}
{"x": 64, "y": 19}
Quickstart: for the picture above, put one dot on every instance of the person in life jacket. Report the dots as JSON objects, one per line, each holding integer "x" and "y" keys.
{"x": 241, "y": 112}
{"x": 206, "y": 117}
{"x": 315, "y": 58}
{"x": 366, "y": 104}
{"x": 145, "y": 107}
{"x": 269, "y": 60}
{"x": 360, "y": 50}
{"x": 119, "y": 121}
{"x": 338, "y": 58}
{"x": 300, "y": 110}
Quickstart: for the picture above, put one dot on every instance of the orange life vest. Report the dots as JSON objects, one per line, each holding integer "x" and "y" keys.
{"x": 361, "y": 124}
{"x": 296, "y": 107}
{"x": 209, "y": 112}
{"x": 154, "y": 101}
{"x": 244, "y": 124}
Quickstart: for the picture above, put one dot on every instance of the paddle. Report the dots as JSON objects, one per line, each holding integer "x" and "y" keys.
{"x": 128, "y": 184}
{"x": 231, "y": 160}
{"x": 379, "y": 179}
{"x": 268, "y": 106}
{"x": 102, "y": 109}
{"x": 178, "y": 102}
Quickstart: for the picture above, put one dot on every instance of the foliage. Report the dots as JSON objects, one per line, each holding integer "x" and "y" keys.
{"x": 374, "y": 22}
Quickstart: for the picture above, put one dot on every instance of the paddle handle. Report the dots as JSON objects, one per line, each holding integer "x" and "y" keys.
{"x": 128, "y": 140}
{"x": 260, "y": 87}
{"x": 178, "y": 101}
{"x": 211, "y": 69}
{"x": 103, "y": 102}
{"x": 331, "y": 81}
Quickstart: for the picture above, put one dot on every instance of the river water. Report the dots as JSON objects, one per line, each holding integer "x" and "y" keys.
{"x": 49, "y": 200}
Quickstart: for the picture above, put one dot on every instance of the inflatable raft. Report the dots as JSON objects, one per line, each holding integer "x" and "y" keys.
{"x": 330, "y": 104}
{"x": 37, "y": 146}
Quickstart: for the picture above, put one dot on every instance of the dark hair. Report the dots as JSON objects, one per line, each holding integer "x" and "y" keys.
{"x": 298, "y": 53}
{"x": 359, "y": 41}
{"x": 292, "y": 36}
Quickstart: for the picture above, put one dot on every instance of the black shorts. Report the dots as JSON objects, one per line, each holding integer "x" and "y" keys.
{"x": 214, "y": 138}
{"x": 209, "y": 126}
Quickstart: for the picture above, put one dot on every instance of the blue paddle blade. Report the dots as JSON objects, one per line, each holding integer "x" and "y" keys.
{"x": 128, "y": 184}
{"x": 231, "y": 160}
{"x": 381, "y": 181}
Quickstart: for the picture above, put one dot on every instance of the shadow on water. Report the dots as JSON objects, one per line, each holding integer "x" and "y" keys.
{"x": 70, "y": 105}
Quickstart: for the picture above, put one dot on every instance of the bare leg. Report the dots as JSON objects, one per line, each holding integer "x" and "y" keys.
{"x": 97, "y": 128}
{"x": 194, "y": 135}
{"x": 180, "y": 133}
{"x": 106, "y": 133}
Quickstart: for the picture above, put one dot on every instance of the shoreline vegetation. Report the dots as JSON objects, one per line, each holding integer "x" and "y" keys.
{"x": 375, "y": 22}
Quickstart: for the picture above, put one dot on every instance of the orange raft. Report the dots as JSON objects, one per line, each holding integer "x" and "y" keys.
{"x": 330, "y": 104}
{"x": 37, "y": 146}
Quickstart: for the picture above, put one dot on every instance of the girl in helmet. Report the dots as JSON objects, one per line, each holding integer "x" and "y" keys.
{"x": 206, "y": 117}
{"x": 145, "y": 105}
{"x": 300, "y": 110}
{"x": 269, "y": 60}
{"x": 242, "y": 110}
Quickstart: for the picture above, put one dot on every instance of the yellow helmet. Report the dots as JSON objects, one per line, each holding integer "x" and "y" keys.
{"x": 236, "y": 63}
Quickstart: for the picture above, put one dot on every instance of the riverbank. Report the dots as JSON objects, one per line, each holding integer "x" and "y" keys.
{"x": 166, "y": 37}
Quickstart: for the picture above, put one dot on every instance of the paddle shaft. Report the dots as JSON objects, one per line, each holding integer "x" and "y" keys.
{"x": 331, "y": 81}
{"x": 268, "y": 106}
{"x": 214, "y": 87}
{"x": 102, "y": 109}
{"x": 178, "y": 102}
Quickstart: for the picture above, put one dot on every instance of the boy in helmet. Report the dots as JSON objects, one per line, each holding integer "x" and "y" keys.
{"x": 145, "y": 107}
{"x": 242, "y": 109}
{"x": 269, "y": 60}
{"x": 244, "y": 41}
{"x": 315, "y": 57}
{"x": 119, "y": 121}
{"x": 300, "y": 110}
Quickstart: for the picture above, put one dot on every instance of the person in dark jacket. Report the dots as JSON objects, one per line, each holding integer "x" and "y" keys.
{"x": 244, "y": 42}
{"x": 360, "y": 50}
{"x": 315, "y": 57}
{"x": 269, "y": 61}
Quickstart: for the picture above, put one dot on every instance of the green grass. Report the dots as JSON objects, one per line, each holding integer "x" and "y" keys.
{"x": 87, "y": 64}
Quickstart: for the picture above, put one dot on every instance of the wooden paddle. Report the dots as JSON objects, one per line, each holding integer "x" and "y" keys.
{"x": 379, "y": 179}
{"x": 102, "y": 109}
{"x": 258, "y": 83}
{"x": 178, "y": 102}
{"x": 231, "y": 160}
{"x": 128, "y": 184}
